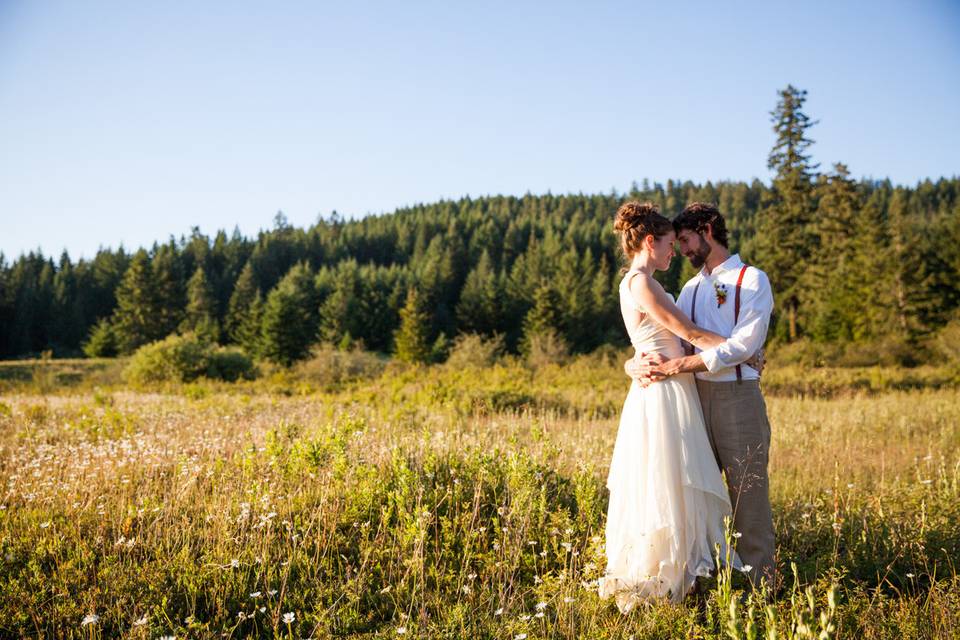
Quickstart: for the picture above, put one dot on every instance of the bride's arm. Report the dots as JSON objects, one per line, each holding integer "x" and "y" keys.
{"x": 655, "y": 301}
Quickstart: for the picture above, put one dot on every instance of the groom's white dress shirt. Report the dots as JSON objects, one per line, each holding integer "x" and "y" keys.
{"x": 750, "y": 332}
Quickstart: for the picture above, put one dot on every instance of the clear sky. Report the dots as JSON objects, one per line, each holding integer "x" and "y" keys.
{"x": 126, "y": 122}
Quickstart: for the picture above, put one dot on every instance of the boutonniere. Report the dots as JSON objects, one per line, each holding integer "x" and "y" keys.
{"x": 721, "y": 291}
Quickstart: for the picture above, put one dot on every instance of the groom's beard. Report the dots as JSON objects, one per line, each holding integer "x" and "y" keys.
{"x": 698, "y": 257}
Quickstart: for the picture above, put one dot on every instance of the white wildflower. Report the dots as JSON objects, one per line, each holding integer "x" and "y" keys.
{"x": 498, "y": 612}
{"x": 139, "y": 622}
{"x": 288, "y": 617}
{"x": 541, "y": 606}
{"x": 255, "y": 594}
{"x": 401, "y": 631}
{"x": 90, "y": 618}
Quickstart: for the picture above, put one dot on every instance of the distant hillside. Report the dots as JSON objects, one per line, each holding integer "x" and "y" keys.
{"x": 480, "y": 265}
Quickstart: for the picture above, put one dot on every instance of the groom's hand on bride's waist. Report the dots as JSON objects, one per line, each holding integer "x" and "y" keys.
{"x": 646, "y": 368}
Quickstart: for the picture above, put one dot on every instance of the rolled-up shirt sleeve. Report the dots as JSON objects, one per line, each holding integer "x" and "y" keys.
{"x": 756, "y": 305}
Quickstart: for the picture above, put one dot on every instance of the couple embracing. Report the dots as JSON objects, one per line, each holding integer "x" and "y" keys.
{"x": 694, "y": 410}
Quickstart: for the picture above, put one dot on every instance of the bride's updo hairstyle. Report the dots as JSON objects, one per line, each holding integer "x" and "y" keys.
{"x": 637, "y": 220}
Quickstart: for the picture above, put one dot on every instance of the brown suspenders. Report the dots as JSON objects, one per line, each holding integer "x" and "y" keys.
{"x": 736, "y": 308}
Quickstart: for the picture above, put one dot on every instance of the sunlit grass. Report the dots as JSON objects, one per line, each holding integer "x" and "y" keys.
{"x": 440, "y": 503}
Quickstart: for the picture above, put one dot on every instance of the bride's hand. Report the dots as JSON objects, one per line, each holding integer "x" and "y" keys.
{"x": 758, "y": 361}
{"x": 632, "y": 367}
{"x": 644, "y": 368}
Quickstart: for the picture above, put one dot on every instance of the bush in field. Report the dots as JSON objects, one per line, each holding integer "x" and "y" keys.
{"x": 891, "y": 351}
{"x": 182, "y": 358}
{"x": 230, "y": 364}
{"x": 946, "y": 344}
{"x": 545, "y": 348}
{"x": 475, "y": 350}
{"x": 329, "y": 367}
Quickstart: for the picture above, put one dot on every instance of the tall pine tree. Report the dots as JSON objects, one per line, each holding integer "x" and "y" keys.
{"x": 830, "y": 288}
{"x": 201, "y": 312}
{"x": 289, "y": 324}
{"x": 784, "y": 241}
{"x": 138, "y": 318}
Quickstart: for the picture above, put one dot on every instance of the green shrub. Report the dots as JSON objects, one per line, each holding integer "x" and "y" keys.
{"x": 329, "y": 367}
{"x": 544, "y": 348}
{"x": 888, "y": 351}
{"x": 946, "y": 344}
{"x": 230, "y": 364}
{"x": 475, "y": 350}
{"x": 184, "y": 358}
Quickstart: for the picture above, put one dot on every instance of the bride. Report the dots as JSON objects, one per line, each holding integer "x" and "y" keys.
{"x": 667, "y": 497}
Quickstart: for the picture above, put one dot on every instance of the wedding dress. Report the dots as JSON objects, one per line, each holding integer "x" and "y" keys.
{"x": 667, "y": 497}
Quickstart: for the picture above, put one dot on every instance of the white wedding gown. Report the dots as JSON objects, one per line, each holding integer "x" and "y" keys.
{"x": 667, "y": 497}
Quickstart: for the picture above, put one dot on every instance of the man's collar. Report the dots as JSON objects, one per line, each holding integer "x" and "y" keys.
{"x": 733, "y": 262}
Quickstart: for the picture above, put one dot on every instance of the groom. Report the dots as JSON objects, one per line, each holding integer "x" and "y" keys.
{"x": 728, "y": 298}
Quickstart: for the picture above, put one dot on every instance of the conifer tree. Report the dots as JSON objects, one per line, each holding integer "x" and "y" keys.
{"x": 542, "y": 321}
{"x": 412, "y": 343}
{"x": 784, "y": 241}
{"x": 168, "y": 288}
{"x": 909, "y": 273}
{"x": 201, "y": 312}
{"x": 248, "y": 328}
{"x": 102, "y": 342}
{"x": 238, "y": 309}
{"x": 478, "y": 309}
{"x": 138, "y": 318}
{"x": 289, "y": 324}
{"x": 829, "y": 291}
{"x": 68, "y": 322}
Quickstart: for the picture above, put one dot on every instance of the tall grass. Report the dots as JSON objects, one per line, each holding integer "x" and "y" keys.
{"x": 443, "y": 503}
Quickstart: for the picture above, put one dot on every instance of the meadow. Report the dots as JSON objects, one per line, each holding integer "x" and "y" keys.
{"x": 356, "y": 497}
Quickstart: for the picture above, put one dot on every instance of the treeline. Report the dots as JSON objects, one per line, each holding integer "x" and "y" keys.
{"x": 852, "y": 261}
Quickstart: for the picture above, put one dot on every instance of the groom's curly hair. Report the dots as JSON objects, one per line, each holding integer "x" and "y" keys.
{"x": 697, "y": 215}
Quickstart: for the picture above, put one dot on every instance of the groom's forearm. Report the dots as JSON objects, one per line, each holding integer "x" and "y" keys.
{"x": 687, "y": 364}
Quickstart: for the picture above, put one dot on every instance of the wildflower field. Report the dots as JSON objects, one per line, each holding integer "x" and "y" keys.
{"x": 370, "y": 499}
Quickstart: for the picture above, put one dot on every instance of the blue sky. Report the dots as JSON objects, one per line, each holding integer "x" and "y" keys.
{"x": 127, "y": 122}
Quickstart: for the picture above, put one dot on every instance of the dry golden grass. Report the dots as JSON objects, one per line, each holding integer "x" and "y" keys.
{"x": 438, "y": 503}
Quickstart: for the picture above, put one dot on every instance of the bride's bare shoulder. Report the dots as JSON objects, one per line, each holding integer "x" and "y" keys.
{"x": 644, "y": 283}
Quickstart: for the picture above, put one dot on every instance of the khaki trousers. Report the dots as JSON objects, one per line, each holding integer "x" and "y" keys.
{"x": 739, "y": 431}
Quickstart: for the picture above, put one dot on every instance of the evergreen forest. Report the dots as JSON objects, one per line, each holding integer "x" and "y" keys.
{"x": 863, "y": 263}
